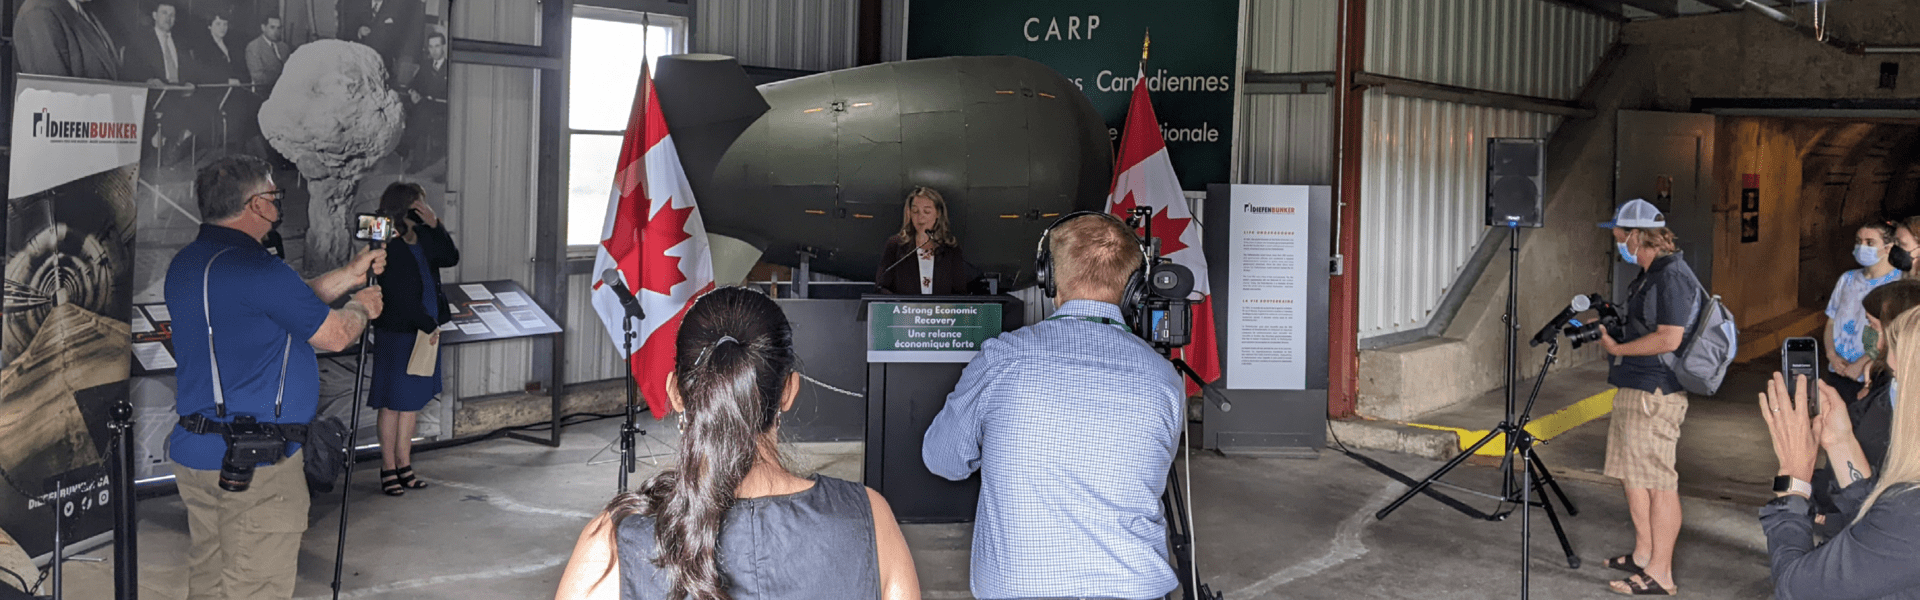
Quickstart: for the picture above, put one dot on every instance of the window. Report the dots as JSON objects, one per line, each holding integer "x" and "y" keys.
{"x": 604, "y": 73}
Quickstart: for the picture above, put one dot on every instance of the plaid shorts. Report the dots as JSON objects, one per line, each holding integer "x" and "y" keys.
{"x": 1642, "y": 438}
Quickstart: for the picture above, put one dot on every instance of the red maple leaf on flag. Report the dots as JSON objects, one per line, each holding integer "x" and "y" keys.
{"x": 1124, "y": 206}
{"x": 665, "y": 231}
{"x": 622, "y": 248}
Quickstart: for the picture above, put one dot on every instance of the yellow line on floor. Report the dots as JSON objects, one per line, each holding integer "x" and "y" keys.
{"x": 1543, "y": 428}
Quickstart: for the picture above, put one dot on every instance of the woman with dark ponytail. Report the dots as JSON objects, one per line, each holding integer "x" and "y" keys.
{"x": 730, "y": 522}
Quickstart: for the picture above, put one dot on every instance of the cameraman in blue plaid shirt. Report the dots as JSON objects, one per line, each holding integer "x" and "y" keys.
{"x": 1072, "y": 423}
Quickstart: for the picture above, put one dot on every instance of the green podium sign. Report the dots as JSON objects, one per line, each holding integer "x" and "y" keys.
{"x": 929, "y": 332}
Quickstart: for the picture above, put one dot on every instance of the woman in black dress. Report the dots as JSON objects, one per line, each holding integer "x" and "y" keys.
{"x": 415, "y": 310}
{"x": 939, "y": 268}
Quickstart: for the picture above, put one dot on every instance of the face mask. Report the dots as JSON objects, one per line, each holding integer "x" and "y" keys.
{"x": 1900, "y": 258}
{"x": 1624, "y": 254}
{"x": 1867, "y": 256}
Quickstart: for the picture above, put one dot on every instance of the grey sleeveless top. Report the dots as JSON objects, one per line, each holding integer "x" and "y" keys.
{"x": 818, "y": 543}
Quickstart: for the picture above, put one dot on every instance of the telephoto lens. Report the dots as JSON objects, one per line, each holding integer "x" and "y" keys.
{"x": 249, "y": 443}
{"x": 235, "y": 477}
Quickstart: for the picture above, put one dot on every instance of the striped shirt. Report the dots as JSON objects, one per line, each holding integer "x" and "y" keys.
{"x": 1072, "y": 424}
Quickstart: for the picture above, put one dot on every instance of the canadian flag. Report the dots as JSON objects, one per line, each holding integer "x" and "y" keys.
{"x": 654, "y": 236}
{"x": 1144, "y": 177}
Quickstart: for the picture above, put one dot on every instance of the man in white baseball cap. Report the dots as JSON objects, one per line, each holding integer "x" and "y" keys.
{"x": 1649, "y": 404}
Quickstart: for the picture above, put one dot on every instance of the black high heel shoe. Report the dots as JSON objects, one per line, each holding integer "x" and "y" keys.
{"x": 406, "y": 478}
{"x": 391, "y": 484}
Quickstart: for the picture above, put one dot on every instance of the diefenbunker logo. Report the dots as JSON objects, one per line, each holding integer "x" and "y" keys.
{"x": 48, "y": 127}
{"x": 1266, "y": 210}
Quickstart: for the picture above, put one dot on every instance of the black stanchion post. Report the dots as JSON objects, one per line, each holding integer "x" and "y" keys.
{"x": 126, "y": 569}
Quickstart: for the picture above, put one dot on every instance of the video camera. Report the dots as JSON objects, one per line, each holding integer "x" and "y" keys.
{"x": 1161, "y": 312}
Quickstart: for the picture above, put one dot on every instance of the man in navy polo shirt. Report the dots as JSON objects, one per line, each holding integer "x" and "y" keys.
{"x": 266, "y": 324}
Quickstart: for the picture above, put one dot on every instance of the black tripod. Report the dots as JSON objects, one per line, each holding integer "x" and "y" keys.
{"x": 1534, "y": 475}
{"x": 1179, "y": 520}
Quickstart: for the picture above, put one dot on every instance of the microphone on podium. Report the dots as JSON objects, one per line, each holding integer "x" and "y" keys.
{"x": 896, "y": 263}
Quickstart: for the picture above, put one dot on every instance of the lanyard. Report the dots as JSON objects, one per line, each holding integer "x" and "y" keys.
{"x": 1102, "y": 320}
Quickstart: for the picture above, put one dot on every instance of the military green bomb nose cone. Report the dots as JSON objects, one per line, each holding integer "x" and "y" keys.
{"x": 825, "y": 161}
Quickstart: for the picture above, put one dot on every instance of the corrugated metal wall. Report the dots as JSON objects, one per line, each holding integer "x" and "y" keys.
{"x": 491, "y": 174}
{"x": 1423, "y": 187}
{"x": 509, "y": 21}
{"x": 894, "y": 46}
{"x": 809, "y": 35}
{"x": 1527, "y": 47}
{"x": 1287, "y": 138}
{"x": 1292, "y": 36}
{"x": 1423, "y": 191}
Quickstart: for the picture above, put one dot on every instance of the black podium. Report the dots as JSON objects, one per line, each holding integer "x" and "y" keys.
{"x": 916, "y": 349}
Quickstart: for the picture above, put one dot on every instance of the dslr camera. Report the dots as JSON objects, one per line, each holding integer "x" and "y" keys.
{"x": 249, "y": 443}
{"x": 1607, "y": 315}
{"x": 1160, "y": 312}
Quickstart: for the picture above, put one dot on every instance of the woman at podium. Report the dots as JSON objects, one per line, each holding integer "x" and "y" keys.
{"x": 923, "y": 258}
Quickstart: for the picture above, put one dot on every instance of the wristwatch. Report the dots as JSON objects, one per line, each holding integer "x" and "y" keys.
{"x": 1785, "y": 484}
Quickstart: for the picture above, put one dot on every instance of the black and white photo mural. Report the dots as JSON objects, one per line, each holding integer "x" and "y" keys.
{"x": 341, "y": 96}
{"x": 118, "y": 105}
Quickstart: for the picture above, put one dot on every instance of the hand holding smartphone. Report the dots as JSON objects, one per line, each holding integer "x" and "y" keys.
{"x": 1801, "y": 356}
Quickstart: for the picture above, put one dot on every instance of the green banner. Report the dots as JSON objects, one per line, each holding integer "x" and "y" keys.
{"x": 929, "y": 332}
{"x": 1096, "y": 44}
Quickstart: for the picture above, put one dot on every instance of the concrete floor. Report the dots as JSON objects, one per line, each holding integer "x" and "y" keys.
{"x": 1724, "y": 453}
{"x": 503, "y": 515}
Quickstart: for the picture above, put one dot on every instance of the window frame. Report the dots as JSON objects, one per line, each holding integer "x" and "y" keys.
{"x": 580, "y": 256}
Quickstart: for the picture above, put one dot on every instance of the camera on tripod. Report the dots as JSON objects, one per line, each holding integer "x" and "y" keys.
{"x": 1581, "y": 334}
{"x": 249, "y": 443}
{"x": 1161, "y": 312}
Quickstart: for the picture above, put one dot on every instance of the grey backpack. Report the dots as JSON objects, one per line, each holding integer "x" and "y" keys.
{"x": 1709, "y": 346}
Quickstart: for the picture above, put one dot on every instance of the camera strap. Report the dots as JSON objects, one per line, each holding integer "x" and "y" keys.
{"x": 213, "y": 358}
{"x": 1101, "y": 320}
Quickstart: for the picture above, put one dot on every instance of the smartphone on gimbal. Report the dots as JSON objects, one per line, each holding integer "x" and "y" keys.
{"x": 1801, "y": 356}
{"x": 371, "y": 227}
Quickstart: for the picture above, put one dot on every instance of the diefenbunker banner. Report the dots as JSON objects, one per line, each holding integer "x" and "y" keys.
{"x": 69, "y": 290}
{"x": 1096, "y": 44}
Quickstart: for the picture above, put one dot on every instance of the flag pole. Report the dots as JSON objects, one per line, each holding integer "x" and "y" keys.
{"x": 1145, "y": 43}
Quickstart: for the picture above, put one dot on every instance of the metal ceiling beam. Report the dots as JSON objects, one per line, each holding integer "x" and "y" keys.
{"x": 1609, "y": 9}
{"x": 1662, "y": 8}
{"x": 1413, "y": 88}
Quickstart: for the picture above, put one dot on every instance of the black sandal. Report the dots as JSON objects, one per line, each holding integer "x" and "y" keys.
{"x": 1642, "y": 584}
{"x": 407, "y": 479}
{"x": 390, "y": 483}
{"x": 1626, "y": 563}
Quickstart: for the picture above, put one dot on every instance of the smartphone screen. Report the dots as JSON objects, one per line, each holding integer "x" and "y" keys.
{"x": 373, "y": 228}
{"x": 1801, "y": 356}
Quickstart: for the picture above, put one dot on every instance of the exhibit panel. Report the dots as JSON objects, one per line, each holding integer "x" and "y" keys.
{"x": 68, "y": 318}
{"x": 1271, "y": 304}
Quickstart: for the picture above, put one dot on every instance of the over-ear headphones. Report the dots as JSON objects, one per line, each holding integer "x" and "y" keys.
{"x": 1136, "y": 282}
